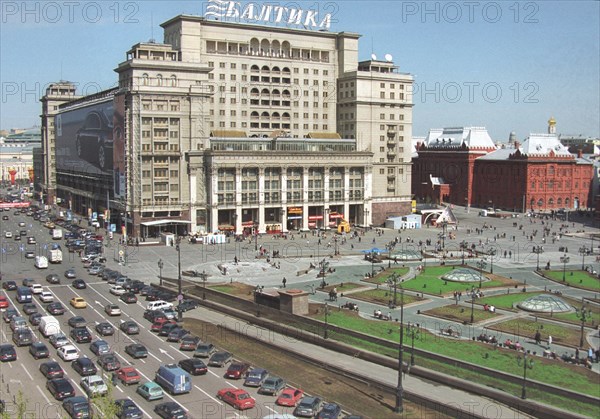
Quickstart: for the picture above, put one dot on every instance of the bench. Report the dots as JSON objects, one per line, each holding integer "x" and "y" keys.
{"x": 450, "y": 332}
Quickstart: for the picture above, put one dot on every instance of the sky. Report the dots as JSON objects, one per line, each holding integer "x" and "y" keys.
{"x": 505, "y": 65}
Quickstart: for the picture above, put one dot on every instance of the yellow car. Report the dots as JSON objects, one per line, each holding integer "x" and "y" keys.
{"x": 78, "y": 302}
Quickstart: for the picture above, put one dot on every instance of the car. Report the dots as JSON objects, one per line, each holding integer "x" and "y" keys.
{"x": 145, "y": 289}
{"x": 188, "y": 343}
{"x": 100, "y": 347}
{"x": 194, "y": 366}
{"x": 53, "y": 279}
{"x": 31, "y": 240}
{"x": 167, "y": 328}
{"x": 105, "y": 329}
{"x": 79, "y": 284}
{"x": 3, "y": 302}
{"x": 308, "y": 407}
{"x": 220, "y": 359}
{"x": 28, "y": 282}
{"x": 129, "y": 375}
{"x": 112, "y": 310}
{"x": 176, "y": 334}
{"x": 130, "y": 327}
{"x": 237, "y": 370}
{"x": 46, "y": 297}
{"x": 94, "y": 140}
{"x": 70, "y": 273}
{"x": 9, "y": 313}
{"x": 81, "y": 335}
{"x": 170, "y": 313}
{"x": 117, "y": 290}
{"x": 68, "y": 353}
{"x": 17, "y": 323}
{"x": 8, "y": 234}
{"x": 127, "y": 409}
{"x": 51, "y": 369}
{"x": 95, "y": 270}
{"x": 187, "y": 305}
{"x": 22, "y": 337}
{"x": 136, "y": 350}
{"x": 158, "y": 324}
{"x": 29, "y": 254}
{"x": 60, "y": 388}
{"x": 109, "y": 362}
{"x": 30, "y": 308}
{"x": 56, "y": 309}
{"x": 34, "y": 318}
{"x": 128, "y": 297}
{"x": 272, "y": 385}
{"x": 17, "y": 237}
{"x": 290, "y": 397}
{"x": 77, "y": 407}
{"x": 154, "y": 315}
{"x": 256, "y": 377}
{"x": 84, "y": 366}
{"x": 150, "y": 391}
{"x": 94, "y": 386}
{"x": 36, "y": 288}
{"x": 59, "y": 339}
{"x": 5, "y": 217}
{"x": 170, "y": 410}
{"x": 9, "y": 285}
{"x": 204, "y": 350}
{"x": 330, "y": 411}
{"x": 236, "y": 397}
{"x": 78, "y": 302}
{"x": 77, "y": 321}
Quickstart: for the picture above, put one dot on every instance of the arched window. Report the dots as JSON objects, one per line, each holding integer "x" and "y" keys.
{"x": 559, "y": 202}
{"x": 265, "y": 69}
{"x": 255, "y": 68}
{"x": 265, "y": 93}
{"x": 567, "y": 202}
{"x": 145, "y": 79}
{"x": 265, "y": 115}
{"x": 540, "y": 202}
{"x": 159, "y": 80}
{"x": 551, "y": 201}
{"x": 174, "y": 80}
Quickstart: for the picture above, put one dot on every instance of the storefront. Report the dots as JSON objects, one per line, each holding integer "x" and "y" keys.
{"x": 294, "y": 218}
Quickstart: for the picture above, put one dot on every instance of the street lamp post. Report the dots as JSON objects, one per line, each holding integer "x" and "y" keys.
{"x": 326, "y": 331}
{"x": 393, "y": 282}
{"x": 161, "y": 265}
{"x": 583, "y": 315}
{"x": 472, "y": 304}
{"x": 372, "y": 264}
{"x": 583, "y": 251}
{"x": 399, "y": 408}
{"x": 204, "y": 277}
{"x": 414, "y": 332}
{"x": 527, "y": 364}
{"x": 481, "y": 265}
{"x": 258, "y": 291}
{"x": 564, "y": 260}
{"x": 492, "y": 253}
{"x": 463, "y": 246}
{"x": 444, "y": 225}
{"x": 179, "y": 290}
{"x": 255, "y": 235}
{"x": 538, "y": 250}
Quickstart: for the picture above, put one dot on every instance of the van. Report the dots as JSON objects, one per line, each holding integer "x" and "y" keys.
{"x": 41, "y": 262}
{"x": 158, "y": 305}
{"x": 17, "y": 323}
{"x": 57, "y": 234}
{"x": 24, "y": 294}
{"x": 49, "y": 325}
{"x": 173, "y": 379}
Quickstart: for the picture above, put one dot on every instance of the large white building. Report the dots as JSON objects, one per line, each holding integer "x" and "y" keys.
{"x": 245, "y": 127}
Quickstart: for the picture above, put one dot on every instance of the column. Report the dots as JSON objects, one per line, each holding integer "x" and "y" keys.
{"x": 261, "y": 200}
{"x": 305, "y": 199}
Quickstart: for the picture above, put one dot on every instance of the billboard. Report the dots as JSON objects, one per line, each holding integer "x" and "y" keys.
{"x": 119, "y": 163}
{"x": 84, "y": 139}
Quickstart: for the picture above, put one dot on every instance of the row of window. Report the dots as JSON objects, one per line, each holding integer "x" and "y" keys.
{"x": 557, "y": 185}
{"x": 291, "y": 196}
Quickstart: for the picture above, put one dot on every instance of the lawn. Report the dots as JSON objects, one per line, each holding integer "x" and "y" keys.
{"x": 507, "y": 301}
{"x": 384, "y": 296}
{"x": 344, "y": 287}
{"x": 577, "y": 279}
{"x": 382, "y": 278}
{"x": 235, "y": 288}
{"x": 461, "y": 314}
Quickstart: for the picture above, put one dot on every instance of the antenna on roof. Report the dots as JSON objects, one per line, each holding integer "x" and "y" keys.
{"x": 374, "y": 57}
{"x": 152, "y": 28}
{"x": 388, "y": 57}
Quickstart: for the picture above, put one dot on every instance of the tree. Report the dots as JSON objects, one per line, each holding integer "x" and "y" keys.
{"x": 104, "y": 405}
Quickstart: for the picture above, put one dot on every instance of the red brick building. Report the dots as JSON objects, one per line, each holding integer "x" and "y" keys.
{"x": 540, "y": 174}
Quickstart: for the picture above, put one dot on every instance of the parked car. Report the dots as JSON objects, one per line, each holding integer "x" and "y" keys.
{"x": 188, "y": 343}
{"x": 129, "y": 327}
{"x": 94, "y": 385}
{"x": 187, "y": 305}
{"x": 34, "y": 318}
{"x": 77, "y": 407}
{"x": 39, "y": 350}
{"x": 308, "y": 407}
{"x": 236, "y": 397}
{"x": 53, "y": 279}
{"x": 109, "y": 362}
{"x": 60, "y": 388}
{"x": 330, "y": 411}
{"x": 78, "y": 302}
{"x": 112, "y": 310}
{"x": 256, "y": 377}
{"x": 150, "y": 391}
{"x": 84, "y": 366}
{"x": 79, "y": 284}
{"x": 36, "y": 288}
{"x": 100, "y": 347}
{"x": 127, "y": 409}
{"x": 204, "y": 350}
{"x": 56, "y": 309}
{"x": 46, "y": 297}
{"x": 9, "y": 313}
{"x": 22, "y": 337}
{"x": 105, "y": 329}
{"x": 9, "y": 285}
{"x": 29, "y": 308}
{"x": 290, "y": 397}
{"x": 77, "y": 321}
{"x": 272, "y": 385}
{"x": 194, "y": 366}
{"x": 4, "y": 302}
{"x": 117, "y": 290}
{"x": 68, "y": 353}
{"x": 81, "y": 335}
{"x": 237, "y": 370}
{"x": 176, "y": 334}
{"x": 170, "y": 410}
{"x": 158, "y": 324}
{"x": 128, "y": 298}
{"x": 51, "y": 369}
{"x": 136, "y": 350}
{"x": 58, "y": 340}
{"x": 129, "y": 375}
{"x": 70, "y": 273}
{"x": 220, "y": 359}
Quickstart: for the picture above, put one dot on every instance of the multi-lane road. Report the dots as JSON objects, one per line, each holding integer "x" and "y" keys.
{"x": 24, "y": 374}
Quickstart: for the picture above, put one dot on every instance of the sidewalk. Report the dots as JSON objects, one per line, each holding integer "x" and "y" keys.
{"x": 445, "y": 396}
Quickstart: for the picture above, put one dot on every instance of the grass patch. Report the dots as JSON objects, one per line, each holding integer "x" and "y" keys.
{"x": 383, "y": 277}
{"x": 461, "y": 314}
{"x": 235, "y": 288}
{"x": 577, "y": 279}
{"x": 526, "y": 328}
{"x": 507, "y": 301}
{"x": 384, "y": 296}
{"x": 344, "y": 287}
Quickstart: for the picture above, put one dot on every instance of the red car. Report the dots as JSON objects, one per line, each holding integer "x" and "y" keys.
{"x": 238, "y": 398}
{"x": 289, "y": 397}
{"x": 237, "y": 370}
{"x": 3, "y": 301}
{"x": 158, "y": 324}
{"x": 129, "y": 375}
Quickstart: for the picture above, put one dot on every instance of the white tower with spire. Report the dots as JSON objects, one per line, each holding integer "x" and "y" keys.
{"x": 551, "y": 125}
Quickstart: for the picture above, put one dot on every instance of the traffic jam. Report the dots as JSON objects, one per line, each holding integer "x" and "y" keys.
{"x": 87, "y": 334}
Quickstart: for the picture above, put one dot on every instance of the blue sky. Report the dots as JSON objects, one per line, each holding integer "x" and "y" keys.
{"x": 505, "y": 65}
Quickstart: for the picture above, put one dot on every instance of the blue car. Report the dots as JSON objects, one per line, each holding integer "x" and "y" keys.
{"x": 330, "y": 411}
{"x": 150, "y": 391}
{"x": 256, "y": 377}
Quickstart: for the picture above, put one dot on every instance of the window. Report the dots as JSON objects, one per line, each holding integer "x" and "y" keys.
{"x": 382, "y": 85}
{"x": 382, "y": 171}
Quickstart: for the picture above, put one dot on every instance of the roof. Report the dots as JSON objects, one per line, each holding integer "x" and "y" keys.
{"x": 324, "y": 135}
{"x": 457, "y": 137}
{"x": 228, "y": 133}
{"x": 164, "y": 222}
{"x": 543, "y": 144}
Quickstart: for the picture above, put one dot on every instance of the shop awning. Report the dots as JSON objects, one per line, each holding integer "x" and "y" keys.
{"x": 164, "y": 222}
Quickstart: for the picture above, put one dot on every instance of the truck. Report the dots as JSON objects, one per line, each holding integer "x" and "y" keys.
{"x": 41, "y": 262}
{"x": 57, "y": 234}
{"x": 49, "y": 325}
{"x": 173, "y": 379}
{"x": 55, "y": 256}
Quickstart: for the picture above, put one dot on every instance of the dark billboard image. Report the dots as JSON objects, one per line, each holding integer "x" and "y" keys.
{"x": 119, "y": 162}
{"x": 84, "y": 139}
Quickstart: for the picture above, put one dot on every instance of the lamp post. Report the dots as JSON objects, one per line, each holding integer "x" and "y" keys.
{"x": 538, "y": 250}
{"x": 325, "y": 332}
{"x": 235, "y": 216}
{"x": 443, "y": 236}
{"x": 472, "y": 304}
{"x": 564, "y": 260}
{"x": 393, "y": 283}
{"x": 527, "y": 364}
{"x": 179, "y": 295}
{"x": 258, "y": 291}
{"x": 161, "y": 265}
{"x": 372, "y": 263}
{"x": 583, "y": 314}
{"x": 255, "y": 235}
{"x": 481, "y": 265}
{"x": 204, "y": 277}
{"x": 583, "y": 251}
{"x": 463, "y": 245}
{"x": 492, "y": 253}
{"x": 399, "y": 408}
{"x": 414, "y": 332}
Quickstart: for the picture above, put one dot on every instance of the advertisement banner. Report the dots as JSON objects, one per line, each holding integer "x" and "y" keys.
{"x": 119, "y": 136}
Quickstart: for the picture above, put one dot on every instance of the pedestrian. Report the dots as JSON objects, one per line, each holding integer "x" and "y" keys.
{"x": 538, "y": 337}
{"x": 577, "y": 353}
{"x": 549, "y": 341}
{"x": 284, "y": 281}
{"x": 590, "y": 354}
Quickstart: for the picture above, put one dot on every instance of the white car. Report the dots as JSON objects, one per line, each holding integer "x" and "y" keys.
{"x": 8, "y": 234}
{"x": 94, "y": 385}
{"x": 46, "y": 297}
{"x": 117, "y": 290}
{"x": 68, "y": 353}
{"x": 36, "y": 288}
{"x": 21, "y": 224}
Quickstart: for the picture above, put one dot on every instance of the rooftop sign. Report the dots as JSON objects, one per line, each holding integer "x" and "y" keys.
{"x": 252, "y": 12}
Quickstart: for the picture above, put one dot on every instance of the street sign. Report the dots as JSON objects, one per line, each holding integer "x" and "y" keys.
{"x": 180, "y": 297}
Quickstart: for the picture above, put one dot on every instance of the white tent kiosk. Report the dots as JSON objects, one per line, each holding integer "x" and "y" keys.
{"x": 447, "y": 216}
{"x": 404, "y": 222}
